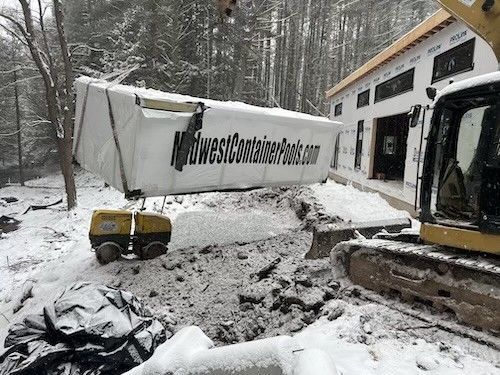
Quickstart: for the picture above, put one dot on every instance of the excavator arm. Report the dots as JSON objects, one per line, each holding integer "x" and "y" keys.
{"x": 482, "y": 16}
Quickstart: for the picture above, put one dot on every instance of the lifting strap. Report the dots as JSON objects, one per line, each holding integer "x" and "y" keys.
{"x": 195, "y": 124}
{"x": 117, "y": 144}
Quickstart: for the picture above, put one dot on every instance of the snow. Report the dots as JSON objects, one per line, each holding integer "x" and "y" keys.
{"x": 190, "y": 352}
{"x": 227, "y": 105}
{"x": 468, "y": 83}
{"x": 353, "y": 205}
{"x": 197, "y": 282}
{"x": 355, "y": 351}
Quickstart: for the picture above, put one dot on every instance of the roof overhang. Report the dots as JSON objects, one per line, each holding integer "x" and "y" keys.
{"x": 429, "y": 27}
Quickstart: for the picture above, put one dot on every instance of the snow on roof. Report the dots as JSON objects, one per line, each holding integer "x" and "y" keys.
{"x": 483, "y": 79}
{"x": 226, "y": 105}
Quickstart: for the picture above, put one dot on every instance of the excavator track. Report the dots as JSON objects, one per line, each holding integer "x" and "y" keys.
{"x": 466, "y": 283}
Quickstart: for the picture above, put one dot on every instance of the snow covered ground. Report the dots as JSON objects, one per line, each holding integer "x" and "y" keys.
{"x": 219, "y": 241}
{"x": 354, "y": 205}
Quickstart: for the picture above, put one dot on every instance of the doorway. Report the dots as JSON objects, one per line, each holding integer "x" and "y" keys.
{"x": 390, "y": 147}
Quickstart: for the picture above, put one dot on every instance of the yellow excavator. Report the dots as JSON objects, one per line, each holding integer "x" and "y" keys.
{"x": 454, "y": 262}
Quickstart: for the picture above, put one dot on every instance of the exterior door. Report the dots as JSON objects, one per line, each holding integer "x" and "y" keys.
{"x": 390, "y": 147}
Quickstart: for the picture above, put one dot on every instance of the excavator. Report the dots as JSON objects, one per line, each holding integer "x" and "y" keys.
{"x": 453, "y": 263}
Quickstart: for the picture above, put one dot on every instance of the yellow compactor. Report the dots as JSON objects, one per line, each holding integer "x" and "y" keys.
{"x": 118, "y": 232}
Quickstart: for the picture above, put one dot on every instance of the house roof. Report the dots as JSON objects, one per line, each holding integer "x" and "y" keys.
{"x": 429, "y": 27}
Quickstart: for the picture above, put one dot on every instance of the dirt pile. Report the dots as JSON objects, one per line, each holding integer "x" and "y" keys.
{"x": 238, "y": 291}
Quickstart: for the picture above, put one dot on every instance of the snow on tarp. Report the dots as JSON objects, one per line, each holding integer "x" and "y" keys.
{"x": 239, "y": 146}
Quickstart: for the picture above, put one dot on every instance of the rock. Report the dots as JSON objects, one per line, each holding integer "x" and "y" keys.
{"x": 136, "y": 269}
{"x": 296, "y": 311}
{"x": 153, "y": 293}
{"x": 179, "y": 199}
{"x": 427, "y": 362}
{"x": 242, "y": 255}
{"x": 251, "y": 329}
{"x": 252, "y": 294}
{"x": 265, "y": 271}
{"x": 116, "y": 283}
{"x": 335, "y": 285}
{"x": 246, "y": 306}
{"x": 309, "y": 299}
{"x": 335, "y": 312}
{"x": 284, "y": 280}
{"x": 206, "y": 250}
{"x": 309, "y": 318}
{"x": 304, "y": 280}
{"x": 170, "y": 266}
{"x": 197, "y": 268}
{"x": 362, "y": 339}
{"x": 365, "y": 318}
{"x": 355, "y": 292}
{"x": 256, "y": 292}
{"x": 10, "y": 199}
{"x": 296, "y": 325}
{"x": 227, "y": 324}
{"x": 226, "y": 334}
{"x": 367, "y": 328}
{"x": 180, "y": 278}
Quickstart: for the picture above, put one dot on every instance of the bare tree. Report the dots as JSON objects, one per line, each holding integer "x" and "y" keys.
{"x": 60, "y": 105}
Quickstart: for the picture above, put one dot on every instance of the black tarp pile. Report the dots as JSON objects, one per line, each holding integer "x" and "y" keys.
{"x": 89, "y": 330}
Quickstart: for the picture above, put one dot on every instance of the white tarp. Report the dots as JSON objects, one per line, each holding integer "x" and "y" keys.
{"x": 239, "y": 146}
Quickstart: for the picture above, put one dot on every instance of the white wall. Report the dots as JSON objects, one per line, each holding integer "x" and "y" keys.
{"x": 422, "y": 58}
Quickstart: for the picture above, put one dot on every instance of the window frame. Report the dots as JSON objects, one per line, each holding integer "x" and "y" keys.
{"x": 359, "y": 95}
{"x": 450, "y": 51}
{"x": 412, "y": 70}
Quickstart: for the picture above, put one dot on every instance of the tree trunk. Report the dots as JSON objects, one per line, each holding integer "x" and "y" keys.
{"x": 66, "y": 141}
{"x": 65, "y": 149}
{"x": 18, "y": 123}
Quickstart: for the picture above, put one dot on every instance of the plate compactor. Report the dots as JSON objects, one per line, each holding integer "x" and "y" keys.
{"x": 111, "y": 234}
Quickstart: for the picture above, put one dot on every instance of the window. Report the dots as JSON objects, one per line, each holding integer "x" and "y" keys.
{"x": 338, "y": 109}
{"x": 395, "y": 86}
{"x": 468, "y": 136}
{"x": 364, "y": 99}
{"x": 454, "y": 61}
{"x": 359, "y": 145}
{"x": 390, "y": 143}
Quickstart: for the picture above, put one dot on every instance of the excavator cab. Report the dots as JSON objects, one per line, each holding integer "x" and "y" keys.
{"x": 461, "y": 178}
